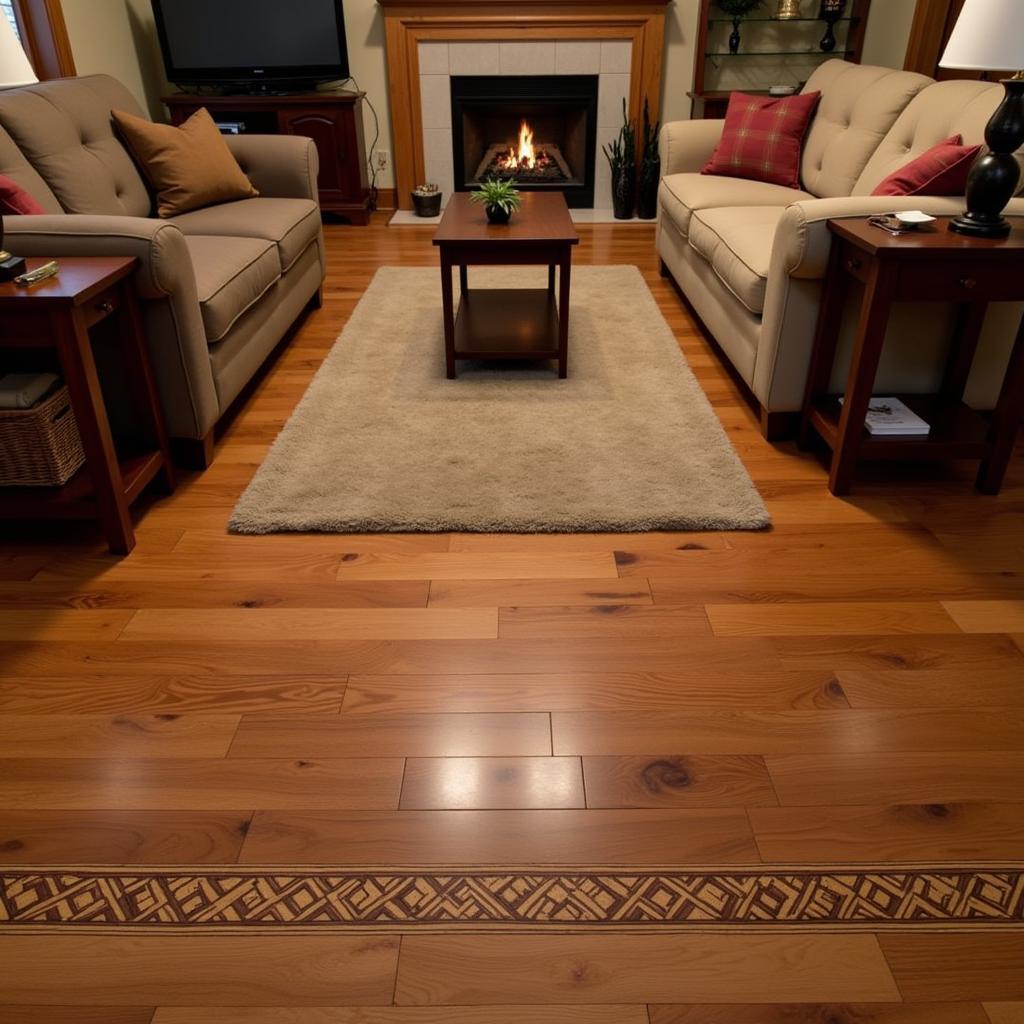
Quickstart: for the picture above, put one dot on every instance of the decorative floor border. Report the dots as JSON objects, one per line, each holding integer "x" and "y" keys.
{"x": 374, "y": 899}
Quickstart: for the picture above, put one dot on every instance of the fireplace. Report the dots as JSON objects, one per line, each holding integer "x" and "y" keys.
{"x": 540, "y": 130}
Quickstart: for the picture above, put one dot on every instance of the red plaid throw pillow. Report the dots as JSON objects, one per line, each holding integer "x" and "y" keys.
{"x": 763, "y": 138}
{"x": 939, "y": 171}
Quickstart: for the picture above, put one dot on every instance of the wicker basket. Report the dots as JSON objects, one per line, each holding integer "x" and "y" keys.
{"x": 40, "y": 447}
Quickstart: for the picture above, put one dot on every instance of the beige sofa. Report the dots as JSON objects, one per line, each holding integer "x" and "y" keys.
{"x": 750, "y": 257}
{"x": 220, "y": 286}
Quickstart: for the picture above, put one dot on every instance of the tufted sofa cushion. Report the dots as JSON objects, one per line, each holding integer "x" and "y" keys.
{"x": 942, "y": 110}
{"x": 64, "y": 130}
{"x": 859, "y": 104}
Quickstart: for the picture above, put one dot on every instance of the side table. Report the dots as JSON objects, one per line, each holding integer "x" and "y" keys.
{"x": 935, "y": 265}
{"x": 58, "y": 314}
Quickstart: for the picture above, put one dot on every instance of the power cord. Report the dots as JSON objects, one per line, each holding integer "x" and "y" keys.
{"x": 370, "y": 163}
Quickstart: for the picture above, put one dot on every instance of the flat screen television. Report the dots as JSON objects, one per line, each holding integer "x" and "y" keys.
{"x": 227, "y": 42}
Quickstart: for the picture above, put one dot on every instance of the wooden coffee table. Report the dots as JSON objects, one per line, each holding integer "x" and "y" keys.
{"x": 507, "y": 323}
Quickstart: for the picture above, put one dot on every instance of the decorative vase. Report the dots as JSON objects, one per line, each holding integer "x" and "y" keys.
{"x": 789, "y": 10}
{"x": 650, "y": 178}
{"x": 623, "y": 192}
{"x": 831, "y": 12}
{"x": 426, "y": 205}
{"x": 734, "y": 39}
{"x": 497, "y": 214}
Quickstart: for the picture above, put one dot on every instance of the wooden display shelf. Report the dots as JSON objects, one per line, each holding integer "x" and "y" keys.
{"x": 507, "y": 323}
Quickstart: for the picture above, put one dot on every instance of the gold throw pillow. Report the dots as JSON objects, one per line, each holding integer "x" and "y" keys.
{"x": 188, "y": 167}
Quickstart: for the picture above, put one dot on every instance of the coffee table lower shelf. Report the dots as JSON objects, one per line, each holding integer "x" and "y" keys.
{"x": 507, "y": 324}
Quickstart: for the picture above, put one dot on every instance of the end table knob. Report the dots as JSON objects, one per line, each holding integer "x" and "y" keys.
{"x": 968, "y": 282}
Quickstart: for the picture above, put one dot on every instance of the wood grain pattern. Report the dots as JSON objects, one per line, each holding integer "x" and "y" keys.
{"x": 492, "y": 783}
{"x": 253, "y": 970}
{"x": 395, "y": 735}
{"x": 602, "y": 621}
{"x": 981, "y": 966}
{"x": 1005, "y": 1013}
{"x": 661, "y": 969}
{"x": 537, "y": 593}
{"x": 933, "y": 688}
{"x": 501, "y": 837}
{"x": 76, "y": 1014}
{"x": 121, "y": 837}
{"x": 497, "y": 565}
{"x": 932, "y": 832}
{"x": 817, "y": 1013}
{"x": 40, "y": 625}
{"x": 987, "y": 616}
{"x": 831, "y": 619}
{"x": 678, "y": 781}
{"x": 403, "y": 1015}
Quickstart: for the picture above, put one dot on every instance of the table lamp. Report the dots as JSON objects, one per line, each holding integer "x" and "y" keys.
{"x": 989, "y": 36}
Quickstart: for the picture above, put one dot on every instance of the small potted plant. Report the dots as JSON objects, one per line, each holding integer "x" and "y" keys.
{"x": 621, "y": 156}
{"x": 426, "y": 199}
{"x": 737, "y": 10}
{"x": 650, "y": 170}
{"x": 500, "y": 199}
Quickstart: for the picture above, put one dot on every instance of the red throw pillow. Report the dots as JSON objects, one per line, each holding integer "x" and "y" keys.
{"x": 14, "y": 199}
{"x": 763, "y": 138}
{"x": 941, "y": 171}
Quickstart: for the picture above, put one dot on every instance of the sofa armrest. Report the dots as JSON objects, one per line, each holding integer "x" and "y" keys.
{"x": 686, "y": 146}
{"x": 803, "y": 241}
{"x": 280, "y": 166}
{"x": 165, "y": 279}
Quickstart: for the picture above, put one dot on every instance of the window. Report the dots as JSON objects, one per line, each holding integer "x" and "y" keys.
{"x": 7, "y": 6}
{"x": 39, "y": 24}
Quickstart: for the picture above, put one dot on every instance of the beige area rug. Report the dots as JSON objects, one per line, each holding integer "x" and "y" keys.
{"x": 383, "y": 442}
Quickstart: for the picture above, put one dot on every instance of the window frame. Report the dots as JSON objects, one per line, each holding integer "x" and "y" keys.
{"x": 44, "y": 32}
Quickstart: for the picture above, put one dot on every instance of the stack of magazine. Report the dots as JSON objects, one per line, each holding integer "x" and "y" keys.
{"x": 889, "y": 417}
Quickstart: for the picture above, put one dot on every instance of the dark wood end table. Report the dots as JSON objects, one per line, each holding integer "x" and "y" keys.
{"x": 507, "y": 323}
{"x": 932, "y": 265}
{"x": 58, "y": 314}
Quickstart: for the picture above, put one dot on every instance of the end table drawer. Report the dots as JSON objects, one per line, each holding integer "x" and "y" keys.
{"x": 962, "y": 281}
{"x": 101, "y": 306}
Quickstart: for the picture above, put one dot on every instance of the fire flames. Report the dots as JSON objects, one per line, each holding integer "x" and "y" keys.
{"x": 526, "y": 157}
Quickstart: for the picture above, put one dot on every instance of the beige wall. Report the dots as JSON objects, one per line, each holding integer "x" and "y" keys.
{"x": 118, "y": 37}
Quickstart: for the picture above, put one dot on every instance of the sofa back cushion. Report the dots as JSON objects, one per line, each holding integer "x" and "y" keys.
{"x": 14, "y": 166}
{"x": 941, "y": 110}
{"x": 859, "y": 104}
{"x": 64, "y": 130}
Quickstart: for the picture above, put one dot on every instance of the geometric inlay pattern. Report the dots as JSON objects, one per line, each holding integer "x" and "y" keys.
{"x": 374, "y": 899}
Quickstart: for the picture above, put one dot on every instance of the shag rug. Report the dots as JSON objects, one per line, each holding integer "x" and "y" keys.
{"x": 383, "y": 442}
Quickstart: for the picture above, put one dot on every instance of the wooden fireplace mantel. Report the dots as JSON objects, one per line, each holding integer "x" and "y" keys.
{"x": 409, "y": 22}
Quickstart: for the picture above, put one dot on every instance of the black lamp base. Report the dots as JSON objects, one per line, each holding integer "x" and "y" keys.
{"x": 995, "y": 175}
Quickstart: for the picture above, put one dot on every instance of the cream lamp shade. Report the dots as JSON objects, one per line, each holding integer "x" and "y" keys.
{"x": 989, "y": 35}
{"x": 14, "y": 66}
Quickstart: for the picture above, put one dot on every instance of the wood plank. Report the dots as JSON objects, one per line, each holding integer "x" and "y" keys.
{"x": 172, "y": 568}
{"x": 76, "y": 1014}
{"x": 470, "y": 735}
{"x": 492, "y": 783}
{"x": 602, "y": 621}
{"x": 678, "y": 781}
{"x": 987, "y": 616}
{"x": 201, "y": 784}
{"x": 147, "y": 694}
{"x": 239, "y": 625}
{"x": 830, "y": 619}
{"x": 931, "y": 833}
{"x": 198, "y": 542}
{"x": 483, "y": 969}
{"x": 162, "y": 735}
{"x": 819, "y": 1013}
{"x": 258, "y": 970}
{"x": 933, "y": 688}
{"x": 41, "y": 625}
{"x": 264, "y": 593}
{"x": 121, "y": 837}
{"x": 404, "y": 1015}
{"x": 570, "y": 837}
{"x": 949, "y": 652}
{"x": 491, "y": 565}
{"x": 704, "y": 731}
{"x": 1005, "y": 1013}
{"x": 903, "y": 778}
{"x": 537, "y": 593}
{"x": 535, "y": 543}
{"x": 987, "y": 966}
{"x": 592, "y": 691}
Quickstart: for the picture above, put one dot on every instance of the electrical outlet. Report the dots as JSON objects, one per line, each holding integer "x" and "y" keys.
{"x": 383, "y": 159}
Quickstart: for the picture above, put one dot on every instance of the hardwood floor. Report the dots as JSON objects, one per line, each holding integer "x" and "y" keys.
{"x": 847, "y": 689}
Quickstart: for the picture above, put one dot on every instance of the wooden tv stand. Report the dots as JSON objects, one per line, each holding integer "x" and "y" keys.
{"x": 333, "y": 120}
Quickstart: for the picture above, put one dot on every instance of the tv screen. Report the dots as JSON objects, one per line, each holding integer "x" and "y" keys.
{"x": 252, "y": 40}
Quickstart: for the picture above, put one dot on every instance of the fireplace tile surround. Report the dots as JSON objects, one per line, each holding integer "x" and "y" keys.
{"x": 430, "y": 41}
{"x": 605, "y": 59}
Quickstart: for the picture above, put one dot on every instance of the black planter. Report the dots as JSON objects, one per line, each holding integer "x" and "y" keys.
{"x": 647, "y": 196}
{"x": 734, "y": 39}
{"x": 623, "y": 192}
{"x": 426, "y": 206}
{"x": 497, "y": 215}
